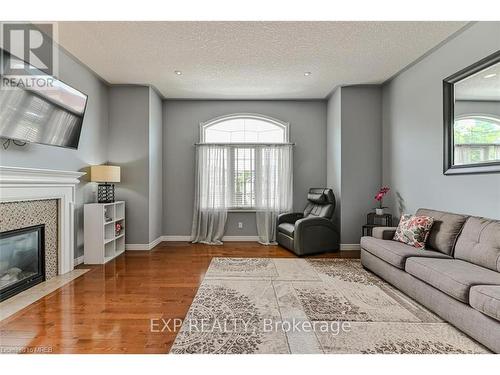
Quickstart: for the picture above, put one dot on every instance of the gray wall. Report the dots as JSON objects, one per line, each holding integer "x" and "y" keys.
{"x": 361, "y": 156}
{"x": 334, "y": 151}
{"x": 355, "y": 142}
{"x": 181, "y": 119}
{"x": 128, "y": 147}
{"x": 155, "y": 166}
{"x": 93, "y": 141}
{"x": 413, "y": 132}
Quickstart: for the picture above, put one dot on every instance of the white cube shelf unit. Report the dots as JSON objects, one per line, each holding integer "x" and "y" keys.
{"x": 101, "y": 241}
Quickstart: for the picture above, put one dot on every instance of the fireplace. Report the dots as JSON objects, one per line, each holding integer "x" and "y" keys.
{"x": 22, "y": 259}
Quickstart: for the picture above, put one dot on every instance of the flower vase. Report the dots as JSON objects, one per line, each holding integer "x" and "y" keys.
{"x": 379, "y": 211}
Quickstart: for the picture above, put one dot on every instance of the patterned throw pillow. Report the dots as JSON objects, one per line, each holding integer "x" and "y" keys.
{"x": 414, "y": 230}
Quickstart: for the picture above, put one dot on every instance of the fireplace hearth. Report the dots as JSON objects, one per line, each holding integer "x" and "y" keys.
{"x": 22, "y": 259}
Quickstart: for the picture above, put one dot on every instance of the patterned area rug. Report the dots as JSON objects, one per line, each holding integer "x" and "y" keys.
{"x": 258, "y": 305}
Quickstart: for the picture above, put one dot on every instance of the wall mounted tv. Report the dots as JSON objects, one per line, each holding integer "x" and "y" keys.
{"x": 50, "y": 113}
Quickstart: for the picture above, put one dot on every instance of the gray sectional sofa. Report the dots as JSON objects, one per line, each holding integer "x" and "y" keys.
{"x": 457, "y": 276}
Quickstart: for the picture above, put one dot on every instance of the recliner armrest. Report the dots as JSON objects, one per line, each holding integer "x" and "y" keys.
{"x": 312, "y": 222}
{"x": 384, "y": 233}
{"x": 290, "y": 217}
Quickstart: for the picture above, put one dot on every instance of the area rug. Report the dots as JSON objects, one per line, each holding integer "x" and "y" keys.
{"x": 262, "y": 305}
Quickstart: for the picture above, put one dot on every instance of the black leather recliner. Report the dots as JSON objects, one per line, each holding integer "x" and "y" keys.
{"x": 311, "y": 231}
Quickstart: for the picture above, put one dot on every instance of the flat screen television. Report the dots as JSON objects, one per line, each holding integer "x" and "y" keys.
{"x": 51, "y": 114}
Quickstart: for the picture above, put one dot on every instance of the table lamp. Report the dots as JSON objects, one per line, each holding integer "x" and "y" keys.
{"x": 104, "y": 174}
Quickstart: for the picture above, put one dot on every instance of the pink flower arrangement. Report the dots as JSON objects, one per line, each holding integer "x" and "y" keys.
{"x": 379, "y": 197}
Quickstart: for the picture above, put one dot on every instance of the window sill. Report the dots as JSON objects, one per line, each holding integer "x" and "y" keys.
{"x": 231, "y": 210}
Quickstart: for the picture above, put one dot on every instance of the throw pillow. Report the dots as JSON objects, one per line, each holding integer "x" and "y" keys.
{"x": 414, "y": 230}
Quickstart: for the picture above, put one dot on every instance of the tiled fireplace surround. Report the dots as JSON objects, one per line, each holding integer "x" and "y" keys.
{"x": 40, "y": 196}
{"x": 22, "y": 214}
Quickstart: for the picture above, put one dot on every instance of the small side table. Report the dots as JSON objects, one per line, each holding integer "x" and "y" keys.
{"x": 373, "y": 220}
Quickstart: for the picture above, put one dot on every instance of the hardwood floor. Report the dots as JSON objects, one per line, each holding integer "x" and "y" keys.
{"x": 109, "y": 309}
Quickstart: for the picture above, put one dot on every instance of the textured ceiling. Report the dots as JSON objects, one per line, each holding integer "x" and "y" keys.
{"x": 250, "y": 60}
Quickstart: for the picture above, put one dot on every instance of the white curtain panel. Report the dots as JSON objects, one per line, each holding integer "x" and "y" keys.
{"x": 273, "y": 188}
{"x": 212, "y": 195}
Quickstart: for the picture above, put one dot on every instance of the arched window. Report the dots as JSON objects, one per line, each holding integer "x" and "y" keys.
{"x": 476, "y": 139}
{"x": 244, "y": 128}
{"x": 246, "y": 134}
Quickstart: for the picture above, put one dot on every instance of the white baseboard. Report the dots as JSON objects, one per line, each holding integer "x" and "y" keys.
{"x": 155, "y": 242}
{"x": 349, "y": 246}
{"x": 143, "y": 246}
{"x": 225, "y": 238}
{"x": 240, "y": 238}
{"x": 176, "y": 238}
{"x": 137, "y": 246}
{"x": 78, "y": 261}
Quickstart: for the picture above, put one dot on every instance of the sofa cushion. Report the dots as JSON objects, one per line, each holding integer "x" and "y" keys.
{"x": 479, "y": 243}
{"x": 451, "y": 276}
{"x": 444, "y": 231}
{"x": 396, "y": 253}
{"x": 486, "y": 299}
{"x": 286, "y": 228}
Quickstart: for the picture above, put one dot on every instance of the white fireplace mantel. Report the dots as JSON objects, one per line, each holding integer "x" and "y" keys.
{"x": 22, "y": 184}
{"x": 13, "y": 175}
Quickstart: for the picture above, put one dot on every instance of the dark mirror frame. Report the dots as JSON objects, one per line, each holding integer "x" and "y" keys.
{"x": 449, "y": 120}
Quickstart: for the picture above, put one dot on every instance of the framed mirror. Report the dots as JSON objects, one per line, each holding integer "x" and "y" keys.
{"x": 471, "y": 103}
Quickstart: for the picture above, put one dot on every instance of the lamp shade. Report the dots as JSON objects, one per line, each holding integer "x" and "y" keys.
{"x": 104, "y": 173}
